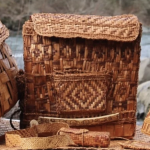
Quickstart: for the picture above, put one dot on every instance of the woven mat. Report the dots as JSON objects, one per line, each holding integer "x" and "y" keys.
{"x": 5, "y": 126}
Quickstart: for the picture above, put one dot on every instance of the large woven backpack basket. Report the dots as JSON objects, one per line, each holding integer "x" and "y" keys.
{"x": 82, "y": 70}
{"x": 8, "y": 71}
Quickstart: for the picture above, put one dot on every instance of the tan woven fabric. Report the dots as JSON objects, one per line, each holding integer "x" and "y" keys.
{"x": 118, "y": 28}
{"x": 137, "y": 145}
{"x": 141, "y": 136}
{"x": 46, "y": 142}
{"x": 113, "y": 143}
{"x": 29, "y": 138}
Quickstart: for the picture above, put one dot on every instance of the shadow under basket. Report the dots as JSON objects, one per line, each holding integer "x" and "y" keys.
{"x": 81, "y": 94}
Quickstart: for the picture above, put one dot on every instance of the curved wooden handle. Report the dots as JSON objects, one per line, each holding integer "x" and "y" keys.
{"x": 81, "y": 121}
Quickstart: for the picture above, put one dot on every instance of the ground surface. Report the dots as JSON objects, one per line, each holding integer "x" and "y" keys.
{"x": 5, "y": 126}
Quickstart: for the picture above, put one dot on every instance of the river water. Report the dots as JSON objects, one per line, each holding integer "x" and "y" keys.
{"x": 16, "y": 44}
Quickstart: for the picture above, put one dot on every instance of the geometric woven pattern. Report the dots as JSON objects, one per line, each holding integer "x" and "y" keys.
{"x": 123, "y": 27}
{"x": 75, "y": 95}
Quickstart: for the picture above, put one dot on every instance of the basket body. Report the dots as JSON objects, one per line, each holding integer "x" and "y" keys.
{"x": 65, "y": 74}
{"x": 8, "y": 71}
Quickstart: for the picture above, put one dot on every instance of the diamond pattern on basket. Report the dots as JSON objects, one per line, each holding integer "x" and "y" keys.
{"x": 81, "y": 93}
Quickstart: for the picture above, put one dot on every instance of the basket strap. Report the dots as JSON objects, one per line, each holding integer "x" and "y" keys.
{"x": 30, "y": 138}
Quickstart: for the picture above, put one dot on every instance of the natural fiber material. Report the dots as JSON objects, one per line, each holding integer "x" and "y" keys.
{"x": 71, "y": 76}
{"x": 146, "y": 125}
{"x": 103, "y": 123}
{"x": 8, "y": 71}
{"x": 4, "y": 33}
{"x": 137, "y": 145}
{"x": 141, "y": 136}
{"x": 117, "y": 28}
{"x": 114, "y": 144}
{"x": 46, "y": 142}
{"x": 28, "y": 138}
{"x": 86, "y": 93}
{"x": 81, "y": 121}
{"x": 84, "y": 137}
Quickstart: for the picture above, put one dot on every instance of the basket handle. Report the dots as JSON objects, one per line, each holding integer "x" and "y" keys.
{"x": 82, "y": 121}
{"x": 89, "y": 121}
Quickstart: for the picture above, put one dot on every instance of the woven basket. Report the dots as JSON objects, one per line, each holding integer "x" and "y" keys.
{"x": 8, "y": 71}
{"x": 60, "y": 50}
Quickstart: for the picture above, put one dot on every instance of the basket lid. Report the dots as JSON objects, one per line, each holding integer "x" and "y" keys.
{"x": 117, "y": 28}
{"x": 4, "y": 33}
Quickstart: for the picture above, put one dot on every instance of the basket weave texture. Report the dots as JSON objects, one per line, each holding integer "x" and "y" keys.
{"x": 137, "y": 145}
{"x": 82, "y": 66}
{"x": 30, "y": 138}
{"x": 146, "y": 125}
{"x": 8, "y": 71}
{"x": 85, "y": 93}
{"x": 118, "y": 28}
{"x": 114, "y": 144}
